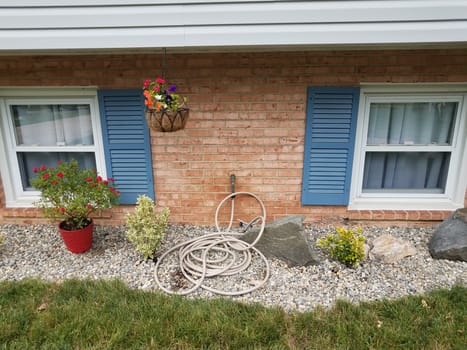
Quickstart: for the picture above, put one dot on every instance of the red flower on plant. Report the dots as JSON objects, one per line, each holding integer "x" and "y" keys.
{"x": 159, "y": 97}
{"x": 71, "y": 194}
{"x": 59, "y": 162}
{"x": 34, "y": 170}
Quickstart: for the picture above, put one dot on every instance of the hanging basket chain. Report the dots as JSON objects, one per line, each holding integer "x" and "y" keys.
{"x": 166, "y": 110}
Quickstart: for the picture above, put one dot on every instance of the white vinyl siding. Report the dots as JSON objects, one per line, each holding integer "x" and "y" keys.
{"x": 417, "y": 163}
{"x": 185, "y": 25}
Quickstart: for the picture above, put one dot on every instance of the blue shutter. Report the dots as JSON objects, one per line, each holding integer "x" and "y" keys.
{"x": 329, "y": 145}
{"x": 126, "y": 143}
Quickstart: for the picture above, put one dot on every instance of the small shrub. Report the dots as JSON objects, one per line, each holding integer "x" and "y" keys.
{"x": 345, "y": 246}
{"x": 145, "y": 228}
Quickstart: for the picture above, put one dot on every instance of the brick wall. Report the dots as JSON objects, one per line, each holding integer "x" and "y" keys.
{"x": 247, "y": 118}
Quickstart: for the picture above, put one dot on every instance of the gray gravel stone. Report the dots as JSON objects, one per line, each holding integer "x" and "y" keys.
{"x": 38, "y": 252}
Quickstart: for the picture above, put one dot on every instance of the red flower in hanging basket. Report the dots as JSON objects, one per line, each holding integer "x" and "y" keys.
{"x": 166, "y": 110}
{"x": 161, "y": 96}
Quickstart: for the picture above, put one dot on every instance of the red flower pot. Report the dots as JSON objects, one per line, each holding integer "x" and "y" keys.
{"x": 77, "y": 241}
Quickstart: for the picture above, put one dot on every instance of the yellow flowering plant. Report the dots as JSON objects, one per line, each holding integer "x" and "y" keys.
{"x": 345, "y": 245}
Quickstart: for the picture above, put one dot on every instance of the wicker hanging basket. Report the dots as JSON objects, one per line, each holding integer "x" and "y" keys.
{"x": 166, "y": 120}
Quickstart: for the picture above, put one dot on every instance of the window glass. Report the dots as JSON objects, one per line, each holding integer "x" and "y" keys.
{"x": 405, "y": 172}
{"x": 29, "y": 160}
{"x": 417, "y": 123}
{"x": 52, "y": 125}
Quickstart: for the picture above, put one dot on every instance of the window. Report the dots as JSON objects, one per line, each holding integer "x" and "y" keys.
{"x": 41, "y": 127}
{"x": 410, "y": 149}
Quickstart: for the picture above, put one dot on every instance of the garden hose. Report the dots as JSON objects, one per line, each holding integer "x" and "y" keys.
{"x": 217, "y": 254}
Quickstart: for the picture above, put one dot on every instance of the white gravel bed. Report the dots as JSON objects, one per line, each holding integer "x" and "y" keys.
{"x": 38, "y": 252}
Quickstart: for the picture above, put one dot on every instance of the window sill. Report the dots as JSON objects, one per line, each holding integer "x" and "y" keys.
{"x": 402, "y": 203}
{"x": 22, "y": 202}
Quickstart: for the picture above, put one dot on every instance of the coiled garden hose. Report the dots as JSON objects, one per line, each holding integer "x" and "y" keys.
{"x": 217, "y": 254}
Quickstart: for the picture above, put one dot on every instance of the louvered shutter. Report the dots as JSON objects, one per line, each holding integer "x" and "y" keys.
{"x": 126, "y": 143}
{"x": 329, "y": 145}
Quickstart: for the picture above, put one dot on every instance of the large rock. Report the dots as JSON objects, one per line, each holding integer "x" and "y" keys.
{"x": 390, "y": 249}
{"x": 449, "y": 241}
{"x": 284, "y": 239}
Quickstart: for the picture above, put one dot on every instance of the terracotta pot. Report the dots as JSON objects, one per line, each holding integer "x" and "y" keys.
{"x": 167, "y": 121}
{"x": 77, "y": 241}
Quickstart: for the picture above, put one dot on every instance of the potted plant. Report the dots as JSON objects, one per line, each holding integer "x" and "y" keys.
{"x": 165, "y": 109}
{"x": 69, "y": 195}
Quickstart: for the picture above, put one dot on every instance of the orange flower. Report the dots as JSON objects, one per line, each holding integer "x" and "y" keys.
{"x": 160, "y": 97}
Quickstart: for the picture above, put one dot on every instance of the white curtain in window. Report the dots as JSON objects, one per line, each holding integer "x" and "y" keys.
{"x": 53, "y": 125}
{"x": 411, "y": 123}
{"x": 408, "y": 124}
{"x": 406, "y": 171}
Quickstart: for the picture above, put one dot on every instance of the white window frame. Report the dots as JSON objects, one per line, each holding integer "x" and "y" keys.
{"x": 453, "y": 196}
{"x": 15, "y": 195}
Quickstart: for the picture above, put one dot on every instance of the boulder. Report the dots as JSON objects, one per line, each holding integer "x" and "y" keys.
{"x": 390, "y": 249}
{"x": 449, "y": 241}
{"x": 284, "y": 239}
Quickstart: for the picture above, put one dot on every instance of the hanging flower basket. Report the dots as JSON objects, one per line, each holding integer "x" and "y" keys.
{"x": 166, "y": 120}
{"x": 166, "y": 110}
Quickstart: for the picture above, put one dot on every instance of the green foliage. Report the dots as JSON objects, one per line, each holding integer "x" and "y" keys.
{"x": 71, "y": 194}
{"x": 345, "y": 246}
{"x": 145, "y": 228}
{"x": 94, "y": 315}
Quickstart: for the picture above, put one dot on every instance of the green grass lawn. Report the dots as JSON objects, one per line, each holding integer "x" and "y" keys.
{"x": 108, "y": 315}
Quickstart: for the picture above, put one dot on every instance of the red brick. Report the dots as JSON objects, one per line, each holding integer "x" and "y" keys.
{"x": 248, "y": 113}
